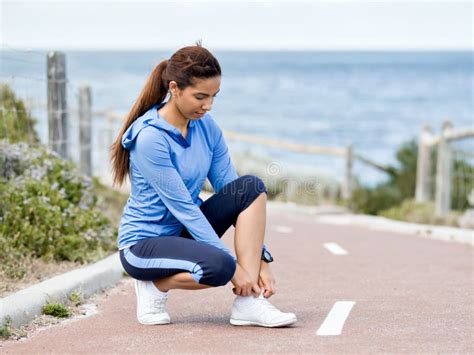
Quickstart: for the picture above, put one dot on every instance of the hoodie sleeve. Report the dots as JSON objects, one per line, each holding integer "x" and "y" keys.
{"x": 151, "y": 155}
{"x": 221, "y": 171}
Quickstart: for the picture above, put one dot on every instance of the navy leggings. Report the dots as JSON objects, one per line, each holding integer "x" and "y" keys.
{"x": 163, "y": 256}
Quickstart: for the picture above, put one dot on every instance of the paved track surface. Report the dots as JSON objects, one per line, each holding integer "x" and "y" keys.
{"x": 410, "y": 294}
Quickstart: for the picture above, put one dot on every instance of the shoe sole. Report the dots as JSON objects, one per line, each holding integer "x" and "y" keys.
{"x": 246, "y": 322}
{"x": 164, "y": 321}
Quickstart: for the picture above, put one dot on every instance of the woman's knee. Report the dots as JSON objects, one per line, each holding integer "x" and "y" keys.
{"x": 249, "y": 187}
{"x": 219, "y": 271}
{"x": 251, "y": 184}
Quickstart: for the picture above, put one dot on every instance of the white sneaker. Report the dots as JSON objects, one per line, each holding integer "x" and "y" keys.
{"x": 151, "y": 303}
{"x": 258, "y": 311}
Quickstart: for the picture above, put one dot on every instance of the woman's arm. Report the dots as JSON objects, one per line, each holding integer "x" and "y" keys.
{"x": 151, "y": 156}
{"x": 222, "y": 170}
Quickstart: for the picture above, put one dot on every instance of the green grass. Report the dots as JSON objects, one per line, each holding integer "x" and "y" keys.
{"x": 109, "y": 201}
{"x": 5, "y": 329}
{"x": 76, "y": 298}
{"x": 416, "y": 212}
{"x": 56, "y": 310}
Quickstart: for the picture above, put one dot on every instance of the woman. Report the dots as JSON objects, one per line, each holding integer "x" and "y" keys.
{"x": 168, "y": 237}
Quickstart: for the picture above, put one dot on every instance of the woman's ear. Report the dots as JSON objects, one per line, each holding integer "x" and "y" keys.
{"x": 173, "y": 88}
{"x": 173, "y": 85}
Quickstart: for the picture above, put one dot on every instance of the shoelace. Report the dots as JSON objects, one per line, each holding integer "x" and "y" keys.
{"x": 265, "y": 309}
{"x": 159, "y": 303}
{"x": 266, "y": 304}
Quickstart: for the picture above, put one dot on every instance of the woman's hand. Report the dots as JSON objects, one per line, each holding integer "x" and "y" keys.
{"x": 266, "y": 281}
{"x": 243, "y": 283}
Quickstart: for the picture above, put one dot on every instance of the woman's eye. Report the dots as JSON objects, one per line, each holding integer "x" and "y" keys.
{"x": 202, "y": 98}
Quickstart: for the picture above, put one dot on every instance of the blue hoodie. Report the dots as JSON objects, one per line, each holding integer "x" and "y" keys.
{"x": 167, "y": 174}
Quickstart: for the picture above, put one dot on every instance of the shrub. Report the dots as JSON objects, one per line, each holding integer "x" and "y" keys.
{"x": 372, "y": 200}
{"x": 412, "y": 211}
{"x": 419, "y": 212}
{"x": 401, "y": 183}
{"x": 16, "y": 123}
{"x": 56, "y": 310}
{"x": 48, "y": 210}
{"x": 76, "y": 298}
{"x": 5, "y": 329}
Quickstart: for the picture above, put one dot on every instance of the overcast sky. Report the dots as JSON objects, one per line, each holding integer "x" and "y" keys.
{"x": 237, "y": 25}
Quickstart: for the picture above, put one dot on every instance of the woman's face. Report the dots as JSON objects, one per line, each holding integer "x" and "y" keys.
{"x": 194, "y": 101}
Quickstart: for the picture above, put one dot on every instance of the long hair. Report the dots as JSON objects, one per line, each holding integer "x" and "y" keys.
{"x": 185, "y": 65}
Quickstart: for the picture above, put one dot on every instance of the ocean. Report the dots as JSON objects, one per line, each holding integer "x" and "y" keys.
{"x": 374, "y": 100}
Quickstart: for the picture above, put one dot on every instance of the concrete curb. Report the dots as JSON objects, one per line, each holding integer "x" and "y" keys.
{"x": 25, "y": 305}
{"x": 305, "y": 209}
{"x": 447, "y": 234}
{"x": 340, "y": 215}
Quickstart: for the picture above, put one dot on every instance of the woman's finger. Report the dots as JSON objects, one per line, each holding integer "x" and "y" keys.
{"x": 256, "y": 290}
{"x": 265, "y": 290}
{"x": 270, "y": 290}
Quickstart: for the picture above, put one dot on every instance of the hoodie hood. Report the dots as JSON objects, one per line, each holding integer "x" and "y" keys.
{"x": 151, "y": 118}
{"x": 141, "y": 122}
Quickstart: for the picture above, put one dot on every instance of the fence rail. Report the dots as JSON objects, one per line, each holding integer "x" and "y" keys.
{"x": 346, "y": 153}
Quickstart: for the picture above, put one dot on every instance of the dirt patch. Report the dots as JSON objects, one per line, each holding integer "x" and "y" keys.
{"x": 37, "y": 271}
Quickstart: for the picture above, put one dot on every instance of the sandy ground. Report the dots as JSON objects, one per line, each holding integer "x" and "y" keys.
{"x": 37, "y": 271}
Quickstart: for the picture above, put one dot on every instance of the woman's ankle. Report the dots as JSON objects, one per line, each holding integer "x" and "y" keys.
{"x": 160, "y": 286}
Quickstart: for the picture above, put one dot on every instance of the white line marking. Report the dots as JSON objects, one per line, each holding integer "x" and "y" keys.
{"x": 334, "y": 321}
{"x": 335, "y": 249}
{"x": 283, "y": 229}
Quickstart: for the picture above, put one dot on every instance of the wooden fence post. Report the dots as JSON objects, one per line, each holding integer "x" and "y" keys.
{"x": 291, "y": 187}
{"x": 110, "y": 136}
{"x": 85, "y": 130}
{"x": 423, "y": 166}
{"x": 110, "y": 132}
{"x": 57, "y": 105}
{"x": 347, "y": 184}
{"x": 443, "y": 173}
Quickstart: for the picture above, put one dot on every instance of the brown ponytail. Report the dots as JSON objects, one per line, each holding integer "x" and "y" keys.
{"x": 183, "y": 66}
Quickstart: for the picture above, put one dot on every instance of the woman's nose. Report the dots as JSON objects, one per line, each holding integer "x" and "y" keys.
{"x": 207, "y": 105}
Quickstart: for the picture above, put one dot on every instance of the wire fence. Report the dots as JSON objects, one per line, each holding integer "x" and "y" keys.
{"x": 32, "y": 118}
{"x": 462, "y": 176}
{"x": 32, "y": 87}
{"x": 445, "y": 168}
{"x": 32, "y": 121}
